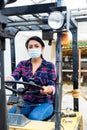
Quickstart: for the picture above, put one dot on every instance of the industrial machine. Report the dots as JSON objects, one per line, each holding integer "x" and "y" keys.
{"x": 50, "y": 14}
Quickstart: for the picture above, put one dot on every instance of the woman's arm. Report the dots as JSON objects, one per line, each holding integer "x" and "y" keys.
{"x": 51, "y": 80}
{"x": 16, "y": 75}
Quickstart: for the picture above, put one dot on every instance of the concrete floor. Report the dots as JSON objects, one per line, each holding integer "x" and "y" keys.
{"x": 67, "y": 101}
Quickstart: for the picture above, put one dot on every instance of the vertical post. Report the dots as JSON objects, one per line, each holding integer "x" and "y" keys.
{"x": 58, "y": 94}
{"x": 59, "y": 3}
{"x": 79, "y": 67}
{"x": 13, "y": 64}
{"x": 12, "y": 53}
{"x": 3, "y": 115}
{"x": 75, "y": 65}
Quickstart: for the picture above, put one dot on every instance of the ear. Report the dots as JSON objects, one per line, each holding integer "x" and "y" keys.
{"x": 43, "y": 48}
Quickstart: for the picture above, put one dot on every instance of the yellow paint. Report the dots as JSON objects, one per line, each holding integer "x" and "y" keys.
{"x": 69, "y": 123}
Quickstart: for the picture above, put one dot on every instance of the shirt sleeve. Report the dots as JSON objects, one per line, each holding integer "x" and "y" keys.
{"x": 51, "y": 80}
{"x": 17, "y": 72}
{"x": 53, "y": 88}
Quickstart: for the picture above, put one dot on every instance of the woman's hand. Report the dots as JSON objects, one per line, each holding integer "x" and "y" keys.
{"x": 46, "y": 90}
{"x": 9, "y": 78}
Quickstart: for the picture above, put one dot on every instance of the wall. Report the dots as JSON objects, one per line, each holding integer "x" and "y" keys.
{"x": 7, "y": 58}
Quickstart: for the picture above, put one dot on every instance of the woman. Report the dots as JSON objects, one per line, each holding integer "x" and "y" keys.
{"x": 43, "y": 73}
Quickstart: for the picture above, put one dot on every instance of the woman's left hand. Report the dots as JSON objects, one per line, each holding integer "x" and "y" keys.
{"x": 46, "y": 90}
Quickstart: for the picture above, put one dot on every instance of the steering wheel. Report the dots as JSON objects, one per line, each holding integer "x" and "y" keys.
{"x": 22, "y": 90}
{"x": 18, "y": 99}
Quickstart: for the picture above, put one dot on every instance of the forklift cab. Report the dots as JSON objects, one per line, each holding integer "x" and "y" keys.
{"x": 47, "y": 31}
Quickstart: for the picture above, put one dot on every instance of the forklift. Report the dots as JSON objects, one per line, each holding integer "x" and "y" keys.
{"x": 56, "y": 14}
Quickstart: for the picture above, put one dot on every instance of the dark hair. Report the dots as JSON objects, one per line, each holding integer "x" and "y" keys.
{"x": 36, "y": 39}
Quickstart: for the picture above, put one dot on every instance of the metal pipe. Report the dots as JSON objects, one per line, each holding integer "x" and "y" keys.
{"x": 58, "y": 82}
{"x": 3, "y": 114}
{"x": 75, "y": 65}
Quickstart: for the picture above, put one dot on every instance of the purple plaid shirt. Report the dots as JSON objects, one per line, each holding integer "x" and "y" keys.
{"x": 44, "y": 75}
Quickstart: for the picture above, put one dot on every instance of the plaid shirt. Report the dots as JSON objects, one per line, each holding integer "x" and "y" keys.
{"x": 44, "y": 75}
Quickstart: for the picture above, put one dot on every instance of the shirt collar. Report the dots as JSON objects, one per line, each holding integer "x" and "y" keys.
{"x": 43, "y": 61}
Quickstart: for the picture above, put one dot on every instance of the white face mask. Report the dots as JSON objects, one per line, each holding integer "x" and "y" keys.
{"x": 34, "y": 53}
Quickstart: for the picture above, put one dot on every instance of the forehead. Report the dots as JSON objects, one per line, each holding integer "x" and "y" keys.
{"x": 33, "y": 42}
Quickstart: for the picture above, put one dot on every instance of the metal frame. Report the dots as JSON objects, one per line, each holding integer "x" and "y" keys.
{"x": 34, "y": 17}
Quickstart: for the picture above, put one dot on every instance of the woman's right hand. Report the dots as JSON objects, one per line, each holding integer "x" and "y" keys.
{"x": 9, "y": 78}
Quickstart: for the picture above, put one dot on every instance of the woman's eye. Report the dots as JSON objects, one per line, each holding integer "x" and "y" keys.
{"x": 29, "y": 47}
{"x": 36, "y": 46}
{"x": 33, "y": 46}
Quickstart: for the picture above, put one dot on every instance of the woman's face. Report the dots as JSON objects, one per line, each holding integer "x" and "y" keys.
{"x": 34, "y": 49}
